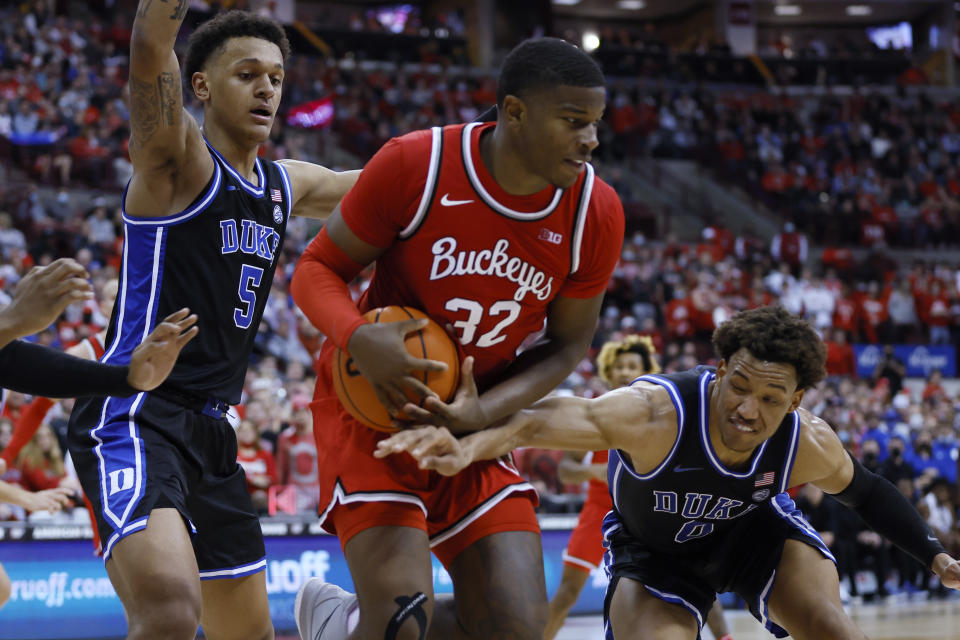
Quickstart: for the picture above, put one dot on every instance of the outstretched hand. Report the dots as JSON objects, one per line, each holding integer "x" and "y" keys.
{"x": 153, "y": 360}
{"x": 463, "y": 414}
{"x": 51, "y": 500}
{"x": 948, "y": 569}
{"x": 44, "y": 293}
{"x": 434, "y": 449}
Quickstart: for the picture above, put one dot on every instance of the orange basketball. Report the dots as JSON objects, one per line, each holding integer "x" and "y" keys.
{"x": 431, "y": 343}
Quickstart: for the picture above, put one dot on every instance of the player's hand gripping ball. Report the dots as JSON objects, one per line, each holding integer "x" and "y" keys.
{"x": 431, "y": 342}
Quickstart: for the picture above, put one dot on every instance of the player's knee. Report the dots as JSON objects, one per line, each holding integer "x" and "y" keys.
{"x": 167, "y": 608}
{"x": 521, "y": 619}
{"x": 830, "y": 623}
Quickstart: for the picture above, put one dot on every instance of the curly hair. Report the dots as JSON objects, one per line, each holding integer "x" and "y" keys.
{"x": 641, "y": 345}
{"x": 775, "y": 335}
{"x": 212, "y": 34}
{"x": 540, "y": 63}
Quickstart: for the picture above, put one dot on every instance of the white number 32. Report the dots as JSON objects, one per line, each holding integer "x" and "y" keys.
{"x": 468, "y": 328}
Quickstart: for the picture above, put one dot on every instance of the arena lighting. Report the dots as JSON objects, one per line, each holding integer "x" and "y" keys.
{"x": 859, "y": 10}
{"x": 566, "y": 3}
{"x": 787, "y": 10}
{"x": 590, "y": 41}
{"x": 633, "y": 5}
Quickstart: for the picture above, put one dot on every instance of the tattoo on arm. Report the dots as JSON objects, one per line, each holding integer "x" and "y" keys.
{"x": 169, "y": 98}
{"x": 180, "y": 10}
{"x": 144, "y": 7}
{"x": 144, "y": 110}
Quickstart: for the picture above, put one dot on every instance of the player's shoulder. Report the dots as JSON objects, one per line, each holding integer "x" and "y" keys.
{"x": 604, "y": 200}
{"x": 605, "y": 213}
{"x": 419, "y": 141}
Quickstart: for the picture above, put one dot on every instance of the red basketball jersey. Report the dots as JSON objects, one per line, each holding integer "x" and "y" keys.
{"x": 595, "y": 485}
{"x": 468, "y": 254}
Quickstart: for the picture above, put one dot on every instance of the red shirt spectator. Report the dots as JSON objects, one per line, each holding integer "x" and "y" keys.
{"x": 935, "y": 308}
{"x": 297, "y": 454}
{"x": 846, "y": 314}
{"x": 679, "y": 316}
{"x": 258, "y": 463}
{"x": 789, "y": 246}
{"x": 41, "y": 461}
{"x": 873, "y": 311}
{"x": 841, "y": 360}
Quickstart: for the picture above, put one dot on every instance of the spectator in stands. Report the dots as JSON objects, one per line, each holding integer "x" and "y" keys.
{"x": 902, "y": 311}
{"x": 41, "y": 461}
{"x": 818, "y": 302}
{"x": 790, "y": 246}
{"x": 297, "y": 455}
{"x": 896, "y": 467}
{"x": 937, "y": 508}
{"x": 258, "y": 464}
{"x": 933, "y": 391}
{"x": 841, "y": 360}
{"x": 890, "y": 368}
{"x": 10, "y": 237}
{"x": 936, "y": 313}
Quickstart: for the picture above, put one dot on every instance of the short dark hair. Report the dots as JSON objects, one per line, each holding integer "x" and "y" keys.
{"x": 541, "y": 63}
{"x": 775, "y": 335}
{"x": 212, "y": 34}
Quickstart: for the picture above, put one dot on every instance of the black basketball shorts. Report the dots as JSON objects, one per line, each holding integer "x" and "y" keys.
{"x": 145, "y": 452}
{"x": 743, "y": 560}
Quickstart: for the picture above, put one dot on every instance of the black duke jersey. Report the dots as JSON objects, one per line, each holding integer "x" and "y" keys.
{"x": 217, "y": 257}
{"x": 691, "y": 497}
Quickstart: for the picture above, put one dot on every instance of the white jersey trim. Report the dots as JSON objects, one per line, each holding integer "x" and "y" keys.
{"x": 342, "y": 497}
{"x": 488, "y": 199}
{"x": 585, "y": 196}
{"x": 484, "y": 507}
{"x": 436, "y": 144}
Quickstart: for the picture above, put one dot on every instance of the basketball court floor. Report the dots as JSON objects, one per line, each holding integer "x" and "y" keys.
{"x": 892, "y": 620}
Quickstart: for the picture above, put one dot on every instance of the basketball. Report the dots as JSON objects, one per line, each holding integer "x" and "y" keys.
{"x": 431, "y": 343}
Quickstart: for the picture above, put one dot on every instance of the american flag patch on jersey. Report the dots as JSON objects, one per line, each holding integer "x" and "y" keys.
{"x": 764, "y": 479}
{"x": 275, "y": 195}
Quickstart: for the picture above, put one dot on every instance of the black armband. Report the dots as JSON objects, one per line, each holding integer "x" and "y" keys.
{"x": 884, "y": 508}
{"x": 38, "y": 370}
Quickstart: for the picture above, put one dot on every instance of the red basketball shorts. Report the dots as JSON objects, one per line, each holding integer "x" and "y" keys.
{"x": 359, "y": 491}
{"x": 585, "y": 549}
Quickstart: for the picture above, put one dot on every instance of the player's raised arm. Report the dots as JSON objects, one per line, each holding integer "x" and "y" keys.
{"x": 316, "y": 189}
{"x": 162, "y": 134}
{"x": 822, "y": 460}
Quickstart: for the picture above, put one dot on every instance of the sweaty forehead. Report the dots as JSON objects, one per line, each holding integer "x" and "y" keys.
{"x": 745, "y": 366}
{"x": 248, "y": 47}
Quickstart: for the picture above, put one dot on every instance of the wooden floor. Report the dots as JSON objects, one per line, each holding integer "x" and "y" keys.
{"x": 917, "y": 620}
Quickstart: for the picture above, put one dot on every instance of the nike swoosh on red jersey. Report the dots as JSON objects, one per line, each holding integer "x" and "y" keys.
{"x": 447, "y": 202}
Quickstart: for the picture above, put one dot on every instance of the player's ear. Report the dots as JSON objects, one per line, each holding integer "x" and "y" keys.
{"x": 721, "y": 368}
{"x": 514, "y": 111}
{"x": 796, "y": 400}
{"x": 200, "y": 85}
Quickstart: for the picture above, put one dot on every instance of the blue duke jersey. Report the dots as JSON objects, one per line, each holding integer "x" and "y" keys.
{"x": 687, "y": 503}
{"x": 217, "y": 257}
